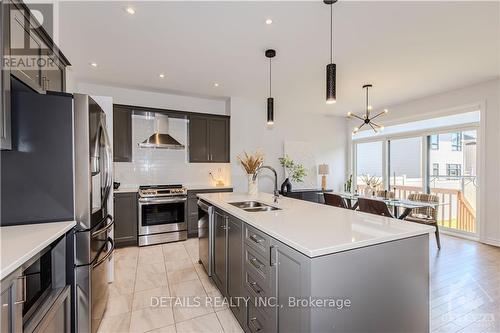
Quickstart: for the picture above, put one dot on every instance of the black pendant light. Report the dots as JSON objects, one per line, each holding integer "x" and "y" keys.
{"x": 366, "y": 118}
{"x": 331, "y": 68}
{"x": 270, "y": 101}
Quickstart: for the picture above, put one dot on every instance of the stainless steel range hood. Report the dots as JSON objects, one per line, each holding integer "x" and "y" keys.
{"x": 160, "y": 138}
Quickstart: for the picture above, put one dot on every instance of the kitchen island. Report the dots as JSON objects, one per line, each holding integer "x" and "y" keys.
{"x": 314, "y": 268}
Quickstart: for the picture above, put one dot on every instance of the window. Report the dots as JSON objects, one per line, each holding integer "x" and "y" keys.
{"x": 435, "y": 169}
{"x": 453, "y": 170}
{"x": 456, "y": 141}
{"x": 434, "y": 141}
{"x": 368, "y": 163}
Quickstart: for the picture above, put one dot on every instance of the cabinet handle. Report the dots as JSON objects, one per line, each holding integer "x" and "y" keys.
{"x": 255, "y": 263}
{"x": 255, "y": 287}
{"x": 255, "y": 324}
{"x": 256, "y": 239}
{"x": 272, "y": 249}
{"x": 23, "y": 289}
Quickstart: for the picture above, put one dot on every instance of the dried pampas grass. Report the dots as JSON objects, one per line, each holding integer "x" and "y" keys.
{"x": 251, "y": 162}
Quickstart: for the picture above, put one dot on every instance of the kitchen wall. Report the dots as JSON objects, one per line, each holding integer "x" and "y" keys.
{"x": 293, "y": 122}
{"x": 486, "y": 96}
{"x": 161, "y": 166}
{"x": 326, "y": 135}
{"x": 165, "y": 166}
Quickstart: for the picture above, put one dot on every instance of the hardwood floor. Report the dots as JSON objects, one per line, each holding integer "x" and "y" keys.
{"x": 465, "y": 286}
{"x": 465, "y": 290}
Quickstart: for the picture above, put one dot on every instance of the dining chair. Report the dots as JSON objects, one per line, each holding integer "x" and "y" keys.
{"x": 425, "y": 215}
{"x": 376, "y": 207}
{"x": 336, "y": 200}
{"x": 381, "y": 194}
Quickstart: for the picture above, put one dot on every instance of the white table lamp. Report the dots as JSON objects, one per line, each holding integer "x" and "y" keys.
{"x": 323, "y": 170}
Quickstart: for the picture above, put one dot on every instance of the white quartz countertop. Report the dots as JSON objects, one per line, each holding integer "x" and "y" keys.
{"x": 20, "y": 243}
{"x": 193, "y": 187}
{"x": 316, "y": 229}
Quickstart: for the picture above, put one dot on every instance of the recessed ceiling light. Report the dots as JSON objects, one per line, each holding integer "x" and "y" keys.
{"x": 162, "y": 76}
{"x": 93, "y": 64}
{"x": 216, "y": 84}
{"x": 130, "y": 10}
{"x": 269, "y": 21}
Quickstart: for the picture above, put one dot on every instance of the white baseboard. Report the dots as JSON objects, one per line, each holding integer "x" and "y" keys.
{"x": 489, "y": 241}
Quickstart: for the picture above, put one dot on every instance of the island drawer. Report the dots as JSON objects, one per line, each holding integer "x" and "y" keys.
{"x": 257, "y": 266}
{"x": 256, "y": 287}
{"x": 257, "y": 240}
{"x": 257, "y": 321}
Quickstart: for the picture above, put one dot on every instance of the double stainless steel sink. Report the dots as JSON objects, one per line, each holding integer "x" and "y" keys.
{"x": 254, "y": 206}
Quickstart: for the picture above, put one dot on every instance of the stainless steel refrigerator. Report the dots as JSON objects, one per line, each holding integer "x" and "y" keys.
{"x": 93, "y": 242}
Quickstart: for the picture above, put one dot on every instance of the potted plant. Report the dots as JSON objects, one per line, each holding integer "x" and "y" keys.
{"x": 251, "y": 163}
{"x": 293, "y": 171}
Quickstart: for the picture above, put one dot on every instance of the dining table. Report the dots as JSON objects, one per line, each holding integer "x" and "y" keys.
{"x": 397, "y": 205}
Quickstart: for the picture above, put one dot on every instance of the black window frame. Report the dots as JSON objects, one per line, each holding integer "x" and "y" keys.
{"x": 450, "y": 167}
{"x": 456, "y": 141}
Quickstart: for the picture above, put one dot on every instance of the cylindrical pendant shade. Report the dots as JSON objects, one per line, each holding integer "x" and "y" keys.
{"x": 331, "y": 89}
{"x": 270, "y": 111}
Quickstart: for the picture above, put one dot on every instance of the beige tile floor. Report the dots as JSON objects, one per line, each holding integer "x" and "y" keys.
{"x": 153, "y": 272}
{"x": 465, "y": 290}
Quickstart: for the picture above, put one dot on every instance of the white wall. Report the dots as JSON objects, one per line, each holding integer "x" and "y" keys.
{"x": 154, "y": 99}
{"x": 249, "y": 132}
{"x": 486, "y": 95}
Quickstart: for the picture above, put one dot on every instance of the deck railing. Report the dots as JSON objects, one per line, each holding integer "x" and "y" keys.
{"x": 454, "y": 211}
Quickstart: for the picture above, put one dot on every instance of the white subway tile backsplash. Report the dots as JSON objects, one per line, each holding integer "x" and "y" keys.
{"x": 165, "y": 166}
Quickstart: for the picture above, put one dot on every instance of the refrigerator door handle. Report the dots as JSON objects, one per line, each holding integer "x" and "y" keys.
{"x": 106, "y": 228}
{"x": 109, "y": 163}
{"x": 110, "y": 252}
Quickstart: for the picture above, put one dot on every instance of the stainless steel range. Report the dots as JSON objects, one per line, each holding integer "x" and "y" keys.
{"x": 162, "y": 214}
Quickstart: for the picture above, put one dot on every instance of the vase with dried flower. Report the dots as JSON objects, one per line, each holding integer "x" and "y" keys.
{"x": 251, "y": 162}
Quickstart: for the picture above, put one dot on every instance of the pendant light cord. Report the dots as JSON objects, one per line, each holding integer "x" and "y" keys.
{"x": 270, "y": 78}
{"x": 367, "y": 111}
{"x": 331, "y": 33}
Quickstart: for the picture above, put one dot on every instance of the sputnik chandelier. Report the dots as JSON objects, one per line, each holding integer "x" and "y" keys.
{"x": 366, "y": 118}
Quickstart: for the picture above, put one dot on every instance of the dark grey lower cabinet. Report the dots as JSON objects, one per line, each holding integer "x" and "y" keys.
{"x": 125, "y": 215}
{"x": 192, "y": 208}
{"x": 235, "y": 266}
{"x": 220, "y": 251}
{"x": 228, "y": 260}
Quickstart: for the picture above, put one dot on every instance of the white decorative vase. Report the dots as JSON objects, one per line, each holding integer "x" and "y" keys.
{"x": 253, "y": 185}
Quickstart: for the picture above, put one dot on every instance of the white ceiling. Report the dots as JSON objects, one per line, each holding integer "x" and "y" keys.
{"x": 406, "y": 50}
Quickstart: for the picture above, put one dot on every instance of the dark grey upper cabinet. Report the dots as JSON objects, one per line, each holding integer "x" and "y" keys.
{"x": 125, "y": 215}
{"x": 26, "y": 38}
{"x": 198, "y": 139}
{"x": 218, "y": 130}
{"x": 122, "y": 134}
{"x": 209, "y": 139}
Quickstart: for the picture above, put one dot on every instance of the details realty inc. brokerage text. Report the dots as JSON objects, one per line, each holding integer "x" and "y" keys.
{"x": 221, "y": 301}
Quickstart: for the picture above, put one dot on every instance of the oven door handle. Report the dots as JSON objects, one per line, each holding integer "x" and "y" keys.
{"x": 144, "y": 202}
{"x": 110, "y": 252}
{"x": 106, "y": 228}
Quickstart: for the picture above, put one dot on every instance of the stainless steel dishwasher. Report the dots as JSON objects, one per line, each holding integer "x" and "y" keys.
{"x": 205, "y": 235}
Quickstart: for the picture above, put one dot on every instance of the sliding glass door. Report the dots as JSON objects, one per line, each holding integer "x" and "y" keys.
{"x": 453, "y": 178}
{"x": 369, "y": 166}
{"x": 405, "y": 166}
{"x": 439, "y": 163}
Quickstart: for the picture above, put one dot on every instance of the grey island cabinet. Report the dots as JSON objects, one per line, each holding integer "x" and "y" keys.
{"x": 314, "y": 268}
